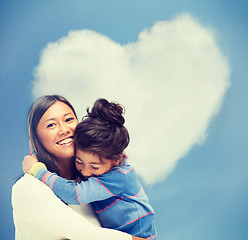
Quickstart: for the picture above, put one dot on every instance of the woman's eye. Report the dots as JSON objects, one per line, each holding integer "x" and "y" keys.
{"x": 95, "y": 168}
{"x": 50, "y": 125}
{"x": 69, "y": 119}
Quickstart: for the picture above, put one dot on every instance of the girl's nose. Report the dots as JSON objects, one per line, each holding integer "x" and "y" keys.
{"x": 86, "y": 172}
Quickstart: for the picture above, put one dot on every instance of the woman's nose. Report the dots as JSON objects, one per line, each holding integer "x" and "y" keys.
{"x": 64, "y": 129}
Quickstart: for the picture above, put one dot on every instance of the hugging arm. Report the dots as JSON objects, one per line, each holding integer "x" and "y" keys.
{"x": 94, "y": 189}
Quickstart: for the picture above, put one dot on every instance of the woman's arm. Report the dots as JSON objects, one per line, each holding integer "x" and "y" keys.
{"x": 35, "y": 204}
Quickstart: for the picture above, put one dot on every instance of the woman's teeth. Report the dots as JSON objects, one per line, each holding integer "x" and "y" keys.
{"x": 65, "y": 141}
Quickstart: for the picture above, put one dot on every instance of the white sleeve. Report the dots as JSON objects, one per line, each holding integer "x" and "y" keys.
{"x": 35, "y": 204}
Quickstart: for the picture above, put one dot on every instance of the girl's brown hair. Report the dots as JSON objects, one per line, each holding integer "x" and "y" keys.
{"x": 102, "y": 130}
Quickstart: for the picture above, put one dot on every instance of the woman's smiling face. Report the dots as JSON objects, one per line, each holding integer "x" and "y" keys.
{"x": 55, "y": 130}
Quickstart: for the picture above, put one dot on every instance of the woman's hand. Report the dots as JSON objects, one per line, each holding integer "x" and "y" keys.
{"x": 28, "y": 162}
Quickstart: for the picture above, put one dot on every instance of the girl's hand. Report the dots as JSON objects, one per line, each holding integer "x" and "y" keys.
{"x": 28, "y": 162}
{"x": 137, "y": 238}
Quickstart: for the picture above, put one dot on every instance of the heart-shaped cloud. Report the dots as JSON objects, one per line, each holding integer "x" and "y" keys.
{"x": 172, "y": 82}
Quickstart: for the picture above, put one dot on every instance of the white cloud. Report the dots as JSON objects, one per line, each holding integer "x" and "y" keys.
{"x": 172, "y": 82}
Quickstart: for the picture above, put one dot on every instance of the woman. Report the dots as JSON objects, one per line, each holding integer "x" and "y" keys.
{"x": 37, "y": 212}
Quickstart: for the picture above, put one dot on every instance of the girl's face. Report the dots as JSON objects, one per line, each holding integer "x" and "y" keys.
{"x": 55, "y": 130}
{"x": 89, "y": 164}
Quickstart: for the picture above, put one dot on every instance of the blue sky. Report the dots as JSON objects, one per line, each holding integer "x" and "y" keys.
{"x": 205, "y": 195}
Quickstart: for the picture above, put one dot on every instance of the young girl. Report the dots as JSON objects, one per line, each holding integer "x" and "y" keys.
{"x": 109, "y": 183}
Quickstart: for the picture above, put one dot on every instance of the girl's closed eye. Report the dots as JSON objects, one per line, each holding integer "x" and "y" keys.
{"x": 95, "y": 168}
{"x": 79, "y": 162}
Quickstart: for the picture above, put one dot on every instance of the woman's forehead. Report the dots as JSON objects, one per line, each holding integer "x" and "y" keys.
{"x": 57, "y": 110}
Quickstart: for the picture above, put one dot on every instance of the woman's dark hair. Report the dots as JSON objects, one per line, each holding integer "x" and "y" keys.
{"x": 102, "y": 131}
{"x": 37, "y": 110}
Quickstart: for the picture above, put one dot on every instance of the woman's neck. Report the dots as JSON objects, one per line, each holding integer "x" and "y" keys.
{"x": 67, "y": 169}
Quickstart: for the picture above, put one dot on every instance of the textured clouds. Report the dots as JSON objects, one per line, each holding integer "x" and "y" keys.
{"x": 172, "y": 82}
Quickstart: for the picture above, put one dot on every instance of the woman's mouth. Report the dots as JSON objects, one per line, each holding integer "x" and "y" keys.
{"x": 65, "y": 142}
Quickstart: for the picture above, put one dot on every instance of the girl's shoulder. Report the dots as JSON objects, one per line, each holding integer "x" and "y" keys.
{"x": 124, "y": 168}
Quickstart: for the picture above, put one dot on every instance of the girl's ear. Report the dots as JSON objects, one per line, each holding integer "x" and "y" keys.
{"x": 117, "y": 161}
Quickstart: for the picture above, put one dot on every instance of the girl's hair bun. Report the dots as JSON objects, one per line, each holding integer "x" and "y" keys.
{"x": 102, "y": 131}
{"x": 107, "y": 111}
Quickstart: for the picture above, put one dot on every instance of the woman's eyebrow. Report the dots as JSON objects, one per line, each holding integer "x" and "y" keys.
{"x": 52, "y": 119}
{"x": 68, "y": 114}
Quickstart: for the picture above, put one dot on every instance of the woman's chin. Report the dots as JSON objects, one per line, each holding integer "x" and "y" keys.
{"x": 66, "y": 153}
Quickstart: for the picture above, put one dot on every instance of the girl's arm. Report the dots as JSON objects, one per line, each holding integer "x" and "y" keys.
{"x": 34, "y": 204}
{"x": 94, "y": 189}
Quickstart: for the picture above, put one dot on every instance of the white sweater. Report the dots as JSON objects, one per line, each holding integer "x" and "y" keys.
{"x": 39, "y": 215}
